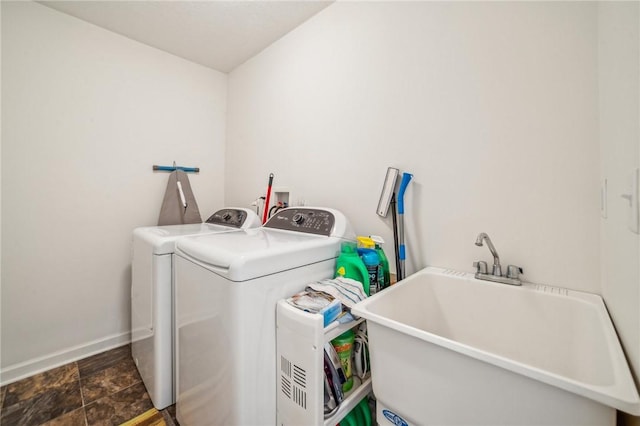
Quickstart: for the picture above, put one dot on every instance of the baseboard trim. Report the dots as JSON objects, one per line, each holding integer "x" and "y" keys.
{"x": 15, "y": 372}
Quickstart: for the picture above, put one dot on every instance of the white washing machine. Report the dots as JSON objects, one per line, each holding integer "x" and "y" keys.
{"x": 152, "y": 307}
{"x": 227, "y": 287}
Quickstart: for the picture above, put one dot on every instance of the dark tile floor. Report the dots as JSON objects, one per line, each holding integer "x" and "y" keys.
{"x": 103, "y": 389}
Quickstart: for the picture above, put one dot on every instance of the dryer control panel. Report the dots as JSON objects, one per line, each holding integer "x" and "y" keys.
{"x": 228, "y": 217}
{"x": 310, "y": 221}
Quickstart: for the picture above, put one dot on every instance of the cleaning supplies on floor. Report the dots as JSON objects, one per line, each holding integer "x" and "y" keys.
{"x": 349, "y": 265}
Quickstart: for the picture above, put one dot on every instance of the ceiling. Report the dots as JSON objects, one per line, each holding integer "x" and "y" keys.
{"x": 217, "y": 34}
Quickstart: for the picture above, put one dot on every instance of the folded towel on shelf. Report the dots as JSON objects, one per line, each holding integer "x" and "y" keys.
{"x": 347, "y": 291}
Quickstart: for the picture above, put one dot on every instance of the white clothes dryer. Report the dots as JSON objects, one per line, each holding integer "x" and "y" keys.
{"x": 152, "y": 307}
{"x": 227, "y": 287}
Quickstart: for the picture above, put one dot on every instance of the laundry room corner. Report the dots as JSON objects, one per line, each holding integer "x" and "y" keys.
{"x": 232, "y": 212}
{"x": 86, "y": 113}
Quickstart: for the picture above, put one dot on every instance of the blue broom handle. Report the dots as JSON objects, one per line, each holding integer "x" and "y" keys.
{"x": 406, "y": 178}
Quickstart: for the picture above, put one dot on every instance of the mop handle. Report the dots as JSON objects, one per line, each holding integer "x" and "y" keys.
{"x": 406, "y": 178}
{"x": 266, "y": 202}
{"x": 396, "y": 243}
{"x": 402, "y": 255}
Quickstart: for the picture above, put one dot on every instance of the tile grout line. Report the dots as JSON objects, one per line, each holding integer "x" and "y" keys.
{"x": 49, "y": 386}
{"x": 84, "y": 411}
{"x": 123, "y": 389}
{"x": 84, "y": 401}
{"x": 80, "y": 384}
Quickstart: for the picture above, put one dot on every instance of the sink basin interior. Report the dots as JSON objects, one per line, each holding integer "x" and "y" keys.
{"x": 556, "y": 336}
{"x": 521, "y": 324}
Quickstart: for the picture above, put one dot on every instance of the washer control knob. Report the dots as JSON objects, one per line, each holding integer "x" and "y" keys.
{"x": 298, "y": 218}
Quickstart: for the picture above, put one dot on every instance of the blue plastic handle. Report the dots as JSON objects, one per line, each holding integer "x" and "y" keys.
{"x": 406, "y": 178}
{"x": 173, "y": 168}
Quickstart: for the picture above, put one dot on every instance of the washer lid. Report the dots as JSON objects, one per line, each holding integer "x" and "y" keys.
{"x": 253, "y": 253}
{"x": 162, "y": 238}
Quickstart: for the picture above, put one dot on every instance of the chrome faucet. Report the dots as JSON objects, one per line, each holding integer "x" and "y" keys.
{"x": 513, "y": 272}
{"x": 497, "y": 270}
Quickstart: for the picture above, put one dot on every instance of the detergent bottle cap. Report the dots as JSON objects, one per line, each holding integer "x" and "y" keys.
{"x": 348, "y": 247}
{"x": 366, "y": 242}
{"x": 377, "y": 239}
{"x": 369, "y": 256}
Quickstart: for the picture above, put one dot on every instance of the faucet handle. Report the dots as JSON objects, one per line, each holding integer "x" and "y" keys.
{"x": 481, "y": 267}
{"x": 514, "y": 271}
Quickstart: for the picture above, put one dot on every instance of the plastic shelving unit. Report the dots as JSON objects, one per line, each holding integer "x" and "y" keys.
{"x": 300, "y": 354}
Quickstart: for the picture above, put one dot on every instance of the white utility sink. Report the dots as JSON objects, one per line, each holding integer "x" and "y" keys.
{"x": 446, "y": 348}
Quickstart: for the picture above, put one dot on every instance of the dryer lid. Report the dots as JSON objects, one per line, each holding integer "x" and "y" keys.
{"x": 162, "y": 239}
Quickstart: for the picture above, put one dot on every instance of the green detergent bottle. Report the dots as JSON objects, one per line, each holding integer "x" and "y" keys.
{"x": 384, "y": 262}
{"x": 349, "y": 265}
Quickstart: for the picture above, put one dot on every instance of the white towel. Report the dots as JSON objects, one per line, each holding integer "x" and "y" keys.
{"x": 348, "y": 291}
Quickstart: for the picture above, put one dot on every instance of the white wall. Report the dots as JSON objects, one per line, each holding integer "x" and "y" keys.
{"x": 0, "y": 194}
{"x": 492, "y": 106}
{"x": 85, "y": 115}
{"x": 619, "y": 102}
